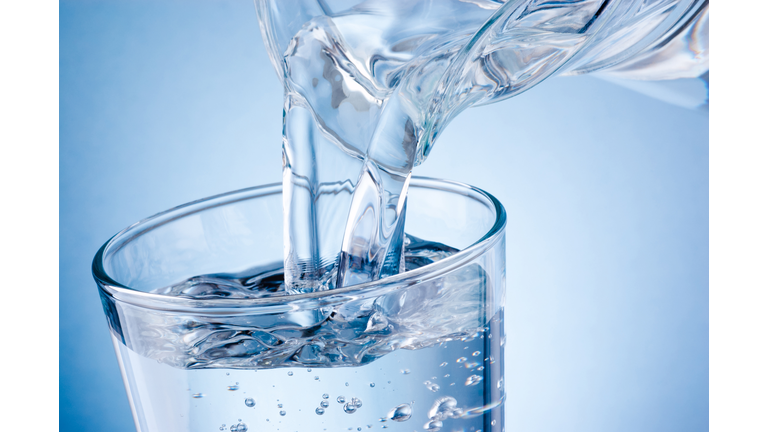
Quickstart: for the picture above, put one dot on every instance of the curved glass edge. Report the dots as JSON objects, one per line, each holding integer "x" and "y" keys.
{"x": 115, "y": 290}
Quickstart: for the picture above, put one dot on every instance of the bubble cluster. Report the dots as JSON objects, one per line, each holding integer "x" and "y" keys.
{"x": 473, "y": 380}
{"x": 240, "y": 427}
{"x": 431, "y": 386}
{"x": 356, "y": 402}
{"x": 433, "y": 425}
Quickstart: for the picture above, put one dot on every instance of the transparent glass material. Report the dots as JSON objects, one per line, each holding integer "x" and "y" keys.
{"x": 420, "y": 350}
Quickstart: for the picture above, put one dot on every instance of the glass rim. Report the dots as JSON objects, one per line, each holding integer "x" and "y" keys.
{"x": 291, "y": 302}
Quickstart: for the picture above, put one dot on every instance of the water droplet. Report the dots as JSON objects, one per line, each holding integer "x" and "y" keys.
{"x": 356, "y": 402}
{"x": 340, "y": 399}
{"x": 249, "y": 402}
{"x": 405, "y": 371}
{"x": 346, "y": 384}
{"x": 290, "y": 373}
{"x": 349, "y": 408}
{"x": 461, "y": 359}
{"x": 433, "y": 425}
{"x": 319, "y": 411}
{"x": 324, "y": 404}
{"x": 282, "y": 413}
{"x": 198, "y": 395}
{"x": 325, "y": 395}
{"x": 279, "y": 405}
{"x": 442, "y": 408}
{"x": 372, "y": 384}
{"x": 400, "y": 413}
{"x": 473, "y": 380}
{"x": 233, "y": 387}
{"x": 443, "y": 364}
{"x": 476, "y": 353}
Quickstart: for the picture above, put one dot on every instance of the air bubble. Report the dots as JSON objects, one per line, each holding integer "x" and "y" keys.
{"x": 317, "y": 378}
{"x": 198, "y": 395}
{"x": 346, "y": 384}
{"x": 400, "y": 413}
{"x": 500, "y": 383}
{"x": 461, "y": 359}
{"x": 405, "y": 371}
{"x": 349, "y": 408}
{"x": 372, "y": 384}
{"x": 309, "y": 369}
{"x": 324, "y": 404}
{"x": 325, "y": 395}
{"x": 233, "y": 387}
{"x": 471, "y": 365}
{"x": 249, "y": 402}
{"x": 443, "y": 364}
{"x": 356, "y": 402}
{"x": 319, "y": 411}
{"x": 290, "y": 373}
{"x": 476, "y": 353}
{"x": 282, "y": 413}
{"x": 279, "y": 405}
{"x": 442, "y": 408}
{"x": 340, "y": 399}
{"x": 433, "y": 426}
{"x": 473, "y": 380}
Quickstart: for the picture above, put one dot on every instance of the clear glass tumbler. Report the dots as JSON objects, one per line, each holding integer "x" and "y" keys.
{"x": 207, "y": 340}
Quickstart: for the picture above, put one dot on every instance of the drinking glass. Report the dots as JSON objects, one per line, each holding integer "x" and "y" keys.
{"x": 419, "y": 350}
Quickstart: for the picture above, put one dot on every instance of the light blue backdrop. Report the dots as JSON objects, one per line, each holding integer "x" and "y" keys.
{"x": 607, "y": 194}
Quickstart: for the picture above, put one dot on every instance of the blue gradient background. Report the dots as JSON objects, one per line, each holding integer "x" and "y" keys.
{"x": 607, "y": 194}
